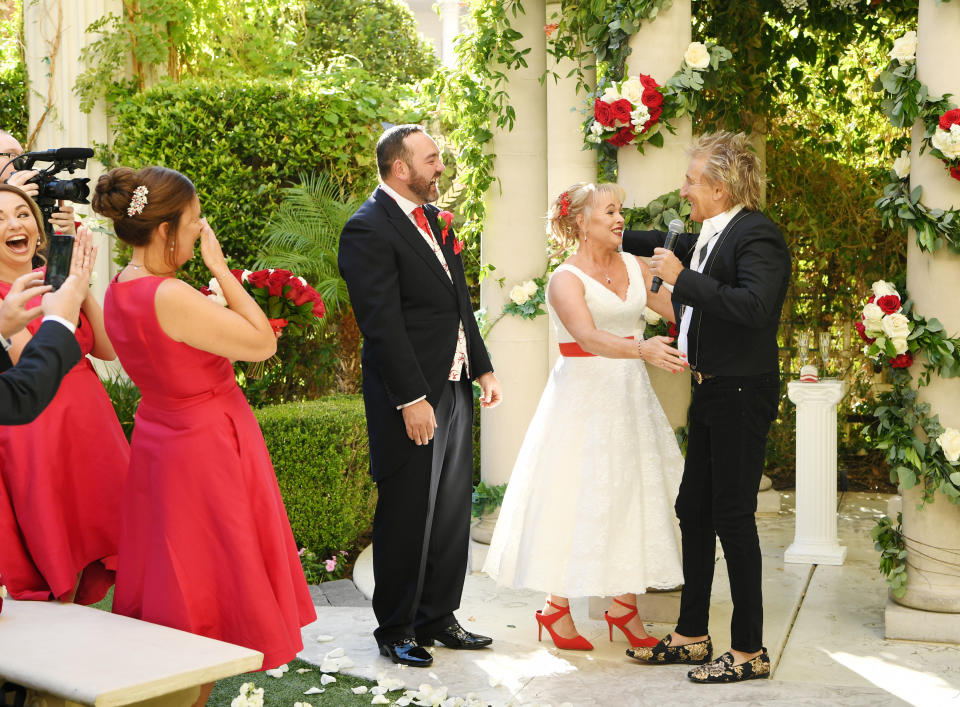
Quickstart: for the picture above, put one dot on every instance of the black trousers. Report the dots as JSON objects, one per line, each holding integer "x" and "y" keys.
{"x": 421, "y": 528}
{"x": 728, "y": 424}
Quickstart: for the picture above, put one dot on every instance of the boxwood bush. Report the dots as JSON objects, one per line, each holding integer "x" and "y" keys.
{"x": 241, "y": 141}
{"x": 13, "y": 96}
{"x": 321, "y": 455}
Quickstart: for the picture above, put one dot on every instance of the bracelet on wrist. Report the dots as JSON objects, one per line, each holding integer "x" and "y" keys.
{"x": 640, "y": 348}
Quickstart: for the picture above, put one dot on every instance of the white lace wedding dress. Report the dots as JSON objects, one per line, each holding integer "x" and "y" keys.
{"x": 589, "y": 506}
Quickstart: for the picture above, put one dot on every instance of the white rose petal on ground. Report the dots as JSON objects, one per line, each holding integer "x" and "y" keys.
{"x": 378, "y": 690}
{"x": 314, "y": 691}
{"x": 324, "y": 638}
{"x": 379, "y": 700}
{"x": 359, "y": 690}
{"x": 327, "y": 679}
{"x": 335, "y": 653}
{"x": 403, "y": 702}
{"x": 345, "y": 662}
{"x": 330, "y": 666}
{"x": 304, "y": 670}
{"x": 278, "y": 671}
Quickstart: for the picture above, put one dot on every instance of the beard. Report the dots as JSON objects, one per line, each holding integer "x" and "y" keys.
{"x": 423, "y": 188}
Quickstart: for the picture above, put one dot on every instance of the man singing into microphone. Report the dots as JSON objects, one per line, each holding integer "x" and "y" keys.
{"x": 728, "y": 289}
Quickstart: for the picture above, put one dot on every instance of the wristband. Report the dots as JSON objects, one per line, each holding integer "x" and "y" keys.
{"x": 5, "y": 343}
{"x": 640, "y": 348}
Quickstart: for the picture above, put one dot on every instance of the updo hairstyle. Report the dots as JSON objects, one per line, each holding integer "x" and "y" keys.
{"x": 577, "y": 199}
{"x": 168, "y": 194}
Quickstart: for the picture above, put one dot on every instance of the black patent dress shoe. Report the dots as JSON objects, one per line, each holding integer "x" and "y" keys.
{"x": 455, "y": 636}
{"x": 407, "y": 651}
{"x": 723, "y": 669}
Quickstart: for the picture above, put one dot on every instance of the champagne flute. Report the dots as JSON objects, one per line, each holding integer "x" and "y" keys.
{"x": 825, "y": 349}
{"x": 803, "y": 347}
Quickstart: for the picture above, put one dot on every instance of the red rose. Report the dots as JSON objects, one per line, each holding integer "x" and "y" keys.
{"x": 672, "y": 330}
{"x": 620, "y": 110}
{"x": 603, "y": 113}
{"x": 862, "y": 331}
{"x": 276, "y": 280}
{"x": 258, "y": 278}
{"x": 902, "y": 361}
{"x": 949, "y": 118}
{"x": 445, "y": 220}
{"x": 889, "y": 304}
{"x": 871, "y": 299}
{"x": 622, "y": 137}
{"x": 457, "y": 246}
{"x": 955, "y": 172}
{"x": 278, "y": 324}
{"x": 206, "y": 291}
{"x": 237, "y": 274}
{"x": 652, "y": 98}
{"x": 648, "y": 82}
{"x": 318, "y": 309}
{"x": 300, "y": 293}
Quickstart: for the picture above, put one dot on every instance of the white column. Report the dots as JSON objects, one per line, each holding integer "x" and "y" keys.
{"x": 450, "y": 18}
{"x": 514, "y": 241}
{"x": 816, "y": 535}
{"x": 54, "y": 36}
{"x": 567, "y": 161}
{"x": 933, "y": 534}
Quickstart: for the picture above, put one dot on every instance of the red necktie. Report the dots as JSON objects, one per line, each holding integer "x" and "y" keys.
{"x": 421, "y": 218}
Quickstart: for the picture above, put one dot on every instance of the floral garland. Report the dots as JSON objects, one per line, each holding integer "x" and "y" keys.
{"x": 895, "y": 335}
{"x": 906, "y": 101}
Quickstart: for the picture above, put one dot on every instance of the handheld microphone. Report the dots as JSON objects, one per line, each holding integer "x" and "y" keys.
{"x": 674, "y": 230}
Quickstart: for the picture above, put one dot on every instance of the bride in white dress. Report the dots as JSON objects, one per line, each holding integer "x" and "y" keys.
{"x": 589, "y": 507}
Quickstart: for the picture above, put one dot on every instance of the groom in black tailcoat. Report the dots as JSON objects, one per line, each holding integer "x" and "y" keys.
{"x": 421, "y": 349}
{"x": 729, "y": 284}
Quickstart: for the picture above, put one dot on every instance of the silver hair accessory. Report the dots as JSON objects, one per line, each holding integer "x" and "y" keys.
{"x": 139, "y": 201}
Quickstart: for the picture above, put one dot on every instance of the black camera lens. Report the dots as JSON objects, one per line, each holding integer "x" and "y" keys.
{"x": 76, "y": 190}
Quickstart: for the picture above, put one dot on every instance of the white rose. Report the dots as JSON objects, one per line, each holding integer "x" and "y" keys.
{"x": 901, "y": 165}
{"x": 611, "y": 95}
{"x": 217, "y": 292}
{"x": 519, "y": 295}
{"x": 896, "y": 326}
{"x": 650, "y": 316}
{"x": 905, "y": 48}
{"x": 872, "y": 316}
{"x": 899, "y": 344}
{"x": 530, "y": 287}
{"x": 596, "y": 128}
{"x": 949, "y": 442}
{"x": 947, "y": 143}
{"x": 632, "y": 90}
{"x": 882, "y": 288}
{"x": 245, "y": 276}
{"x": 697, "y": 56}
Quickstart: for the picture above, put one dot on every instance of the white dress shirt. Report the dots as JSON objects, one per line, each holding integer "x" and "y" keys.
{"x": 460, "y": 360}
{"x": 712, "y": 227}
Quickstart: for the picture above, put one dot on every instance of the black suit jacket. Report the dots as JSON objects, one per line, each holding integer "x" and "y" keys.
{"x": 27, "y": 388}
{"x": 736, "y": 299}
{"x": 409, "y": 312}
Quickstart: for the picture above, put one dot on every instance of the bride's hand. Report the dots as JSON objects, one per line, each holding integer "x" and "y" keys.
{"x": 657, "y": 351}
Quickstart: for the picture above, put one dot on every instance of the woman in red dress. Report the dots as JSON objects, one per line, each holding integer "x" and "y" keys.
{"x": 61, "y": 476}
{"x": 205, "y": 543}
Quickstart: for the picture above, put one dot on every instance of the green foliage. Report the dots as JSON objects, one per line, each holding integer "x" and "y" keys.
{"x": 315, "y": 570}
{"x": 125, "y": 397}
{"x": 13, "y": 76}
{"x": 241, "y": 142}
{"x": 486, "y": 499}
{"x": 888, "y": 541}
{"x": 380, "y": 34}
{"x": 660, "y": 212}
{"x": 900, "y": 208}
{"x": 321, "y": 456}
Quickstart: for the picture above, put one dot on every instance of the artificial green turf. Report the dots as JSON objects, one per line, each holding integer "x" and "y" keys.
{"x": 285, "y": 691}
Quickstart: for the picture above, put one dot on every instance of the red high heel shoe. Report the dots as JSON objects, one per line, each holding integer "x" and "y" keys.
{"x": 546, "y": 621}
{"x": 621, "y": 623}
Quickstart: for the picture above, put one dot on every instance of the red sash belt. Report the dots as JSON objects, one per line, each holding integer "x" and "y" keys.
{"x": 572, "y": 349}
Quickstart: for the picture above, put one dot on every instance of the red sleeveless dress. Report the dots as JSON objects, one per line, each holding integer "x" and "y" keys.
{"x": 61, "y": 486}
{"x": 205, "y": 543}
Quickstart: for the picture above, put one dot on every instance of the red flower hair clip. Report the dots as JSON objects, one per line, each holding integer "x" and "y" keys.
{"x": 564, "y": 204}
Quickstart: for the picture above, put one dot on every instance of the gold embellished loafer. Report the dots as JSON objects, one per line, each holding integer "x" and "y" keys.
{"x": 723, "y": 670}
{"x": 663, "y": 653}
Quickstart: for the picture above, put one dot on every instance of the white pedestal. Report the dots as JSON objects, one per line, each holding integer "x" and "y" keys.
{"x": 815, "y": 541}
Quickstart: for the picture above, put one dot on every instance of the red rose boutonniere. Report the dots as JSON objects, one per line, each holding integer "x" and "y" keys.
{"x": 445, "y": 220}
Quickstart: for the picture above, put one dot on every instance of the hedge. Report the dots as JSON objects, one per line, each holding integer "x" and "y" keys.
{"x": 13, "y": 102}
{"x": 242, "y": 141}
{"x": 321, "y": 456}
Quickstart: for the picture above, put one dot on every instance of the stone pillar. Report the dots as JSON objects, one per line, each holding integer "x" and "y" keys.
{"x": 815, "y": 541}
{"x": 54, "y": 36}
{"x": 567, "y": 161}
{"x": 450, "y": 17}
{"x": 514, "y": 242}
{"x": 933, "y": 534}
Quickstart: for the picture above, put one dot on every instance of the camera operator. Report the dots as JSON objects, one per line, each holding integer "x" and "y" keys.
{"x": 62, "y": 220}
{"x": 29, "y": 386}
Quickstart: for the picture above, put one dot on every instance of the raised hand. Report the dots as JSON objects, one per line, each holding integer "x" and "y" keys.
{"x": 66, "y": 301}
{"x": 211, "y": 252}
{"x": 14, "y": 315}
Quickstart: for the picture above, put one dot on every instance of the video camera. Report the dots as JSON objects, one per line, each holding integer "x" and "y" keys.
{"x": 53, "y": 189}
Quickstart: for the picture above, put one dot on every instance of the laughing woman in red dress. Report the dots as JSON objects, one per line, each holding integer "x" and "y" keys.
{"x": 205, "y": 543}
{"x": 62, "y": 475}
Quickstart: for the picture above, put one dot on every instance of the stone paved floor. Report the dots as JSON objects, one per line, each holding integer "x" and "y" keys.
{"x": 823, "y": 627}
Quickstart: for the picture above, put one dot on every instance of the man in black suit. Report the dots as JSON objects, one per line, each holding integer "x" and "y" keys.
{"x": 729, "y": 284}
{"x": 29, "y": 386}
{"x": 421, "y": 349}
